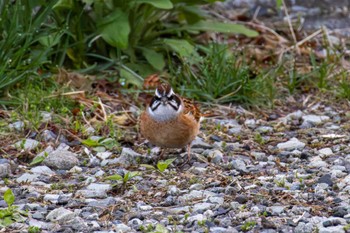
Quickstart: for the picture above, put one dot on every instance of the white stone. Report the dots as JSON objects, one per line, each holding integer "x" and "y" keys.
{"x": 60, "y": 215}
{"x": 197, "y": 218}
{"x": 26, "y": 177}
{"x": 326, "y": 151}
{"x": 53, "y": 198}
{"x": 76, "y": 169}
{"x": 314, "y": 119}
{"x": 292, "y": 144}
{"x": 104, "y": 155}
{"x": 42, "y": 170}
{"x": 27, "y": 144}
{"x": 200, "y": 207}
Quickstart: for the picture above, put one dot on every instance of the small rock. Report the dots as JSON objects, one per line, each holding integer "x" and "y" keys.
{"x": 173, "y": 190}
{"x": 44, "y": 170}
{"x": 27, "y": 144}
{"x": 196, "y": 218}
{"x": 239, "y": 165}
{"x": 241, "y": 199}
{"x": 129, "y": 157}
{"x": 60, "y": 215}
{"x": 264, "y": 129}
{"x": 326, "y": 151}
{"x": 46, "y": 116}
{"x": 61, "y": 159}
{"x": 326, "y": 179}
{"x": 291, "y": 145}
{"x": 122, "y": 228}
{"x": 18, "y": 126}
{"x": 26, "y": 177}
{"x": 5, "y": 170}
{"x": 250, "y": 123}
{"x": 199, "y": 143}
{"x": 48, "y": 135}
{"x": 201, "y": 207}
{"x": 76, "y": 169}
{"x": 317, "y": 162}
{"x": 104, "y": 155}
{"x": 53, "y": 198}
{"x": 314, "y": 119}
{"x": 276, "y": 210}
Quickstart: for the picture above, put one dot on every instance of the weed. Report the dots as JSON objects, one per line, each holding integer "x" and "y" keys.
{"x": 123, "y": 179}
{"x": 10, "y": 214}
{"x": 218, "y": 76}
{"x": 161, "y": 165}
{"x": 34, "y": 229}
{"x": 248, "y": 226}
{"x": 259, "y": 139}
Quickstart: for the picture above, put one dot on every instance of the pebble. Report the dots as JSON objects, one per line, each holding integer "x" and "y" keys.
{"x": 314, "y": 119}
{"x": 18, "y": 126}
{"x": 60, "y": 215}
{"x": 291, "y": 145}
{"x": 44, "y": 170}
{"x": 61, "y": 159}
{"x": 27, "y": 144}
{"x": 27, "y": 177}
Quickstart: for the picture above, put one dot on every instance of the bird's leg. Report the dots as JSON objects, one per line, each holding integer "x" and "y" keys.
{"x": 188, "y": 152}
{"x": 162, "y": 152}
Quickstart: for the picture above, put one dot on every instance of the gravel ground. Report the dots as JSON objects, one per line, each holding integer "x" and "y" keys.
{"x": 285, "y": 173}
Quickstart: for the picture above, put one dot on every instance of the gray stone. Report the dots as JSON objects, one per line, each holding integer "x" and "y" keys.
{"x": 44, "y": 170}
{"x": 197, "y": 218}
{"x": 276, "y": 210}
{"x": 250, "y": 123}
{"x": 76, "y": 169}
{"x": 201, "y": 207}
{"x": 264, "y": 129}
{"x": 122, "y": 228}
{"x": 199, "y": 143}
{"x": 303, "y": 227}
{"x": 216, "y": 156}
{"x": 46, "y": 116}
{"x": 53, "y": 198}
{"x": 26, "y": 177}
{"x": 216, "y": 200}
{"x": 78, "y": 224}
{"x": 332, "y": 229}
{"x": 95, "y": 186}
{"x": 92, "y": 193}
{"x": 40, "y": 224}
{"x": 195, "y": 195}
{"x": 239, "y": 165}
{"x": 173, "y": 190}
{"x": 48, "y": 135}
{"x": 290, "y": 145}
{"x": 128, "y": 157}
{"x": 314, "y": 119}
{"x": 5, "y": 170}
{"x": 18, "y": 126}
{"x": 60, "y": 215}
{"x": 179, "y": 210}
{"x": 235, "y": 130}
{"x": 27, "y": 144}
{"x": 104, "y": 155}
{"x": 317, "y": 162}
{"x": 61, "y": 159}
{"x": 326, "y": 151}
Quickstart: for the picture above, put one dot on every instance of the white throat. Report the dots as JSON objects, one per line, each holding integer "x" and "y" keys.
{"x": 164, "y": 112}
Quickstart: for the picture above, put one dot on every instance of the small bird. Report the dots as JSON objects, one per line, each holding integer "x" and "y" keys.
{"x": 170, "y": 121}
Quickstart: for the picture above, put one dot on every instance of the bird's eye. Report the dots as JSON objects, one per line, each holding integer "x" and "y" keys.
{"x": 157, "y": 98}
{"x": 171, "y": 97}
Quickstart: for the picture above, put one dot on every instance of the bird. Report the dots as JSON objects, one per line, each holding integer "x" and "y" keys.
{"x": 169, "y": 120}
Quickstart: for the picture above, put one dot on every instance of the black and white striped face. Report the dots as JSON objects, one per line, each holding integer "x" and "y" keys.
{"x": 165, "y": 104}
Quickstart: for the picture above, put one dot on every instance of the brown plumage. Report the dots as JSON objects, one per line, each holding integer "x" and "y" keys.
{"x": 170, "y": 121}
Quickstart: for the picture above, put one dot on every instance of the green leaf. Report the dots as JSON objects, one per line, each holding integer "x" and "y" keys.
{"x": 154, "y": 58}
{"x": 115, "y": 177}
{"x": 162, "y": 165}
{"x": 37, "y": 160}
{"x": 9, "y": 197}
{"x": 7, "y": 221}
{"x": 161, "y": 229}
{"x": 148, "y": 166}
{"x": 50, "y": 40}
{"x": 130, "y": 78}
{"x": 279, "y": 4}
{"x": 91, "y": 143}
{"x": 115, "y": 29}
{"x": 64, "y": 4}
{"x": 109, "y": 143}
{"x": 161, "y": 4}
{"x": 222, "y": 27}
{"x": 182, "y": 47}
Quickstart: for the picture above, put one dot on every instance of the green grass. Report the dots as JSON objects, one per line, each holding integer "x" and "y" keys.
{"x": 221, "y": 76}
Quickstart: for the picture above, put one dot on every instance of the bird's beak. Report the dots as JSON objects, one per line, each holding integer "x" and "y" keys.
{"x": 164, "y": 100}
